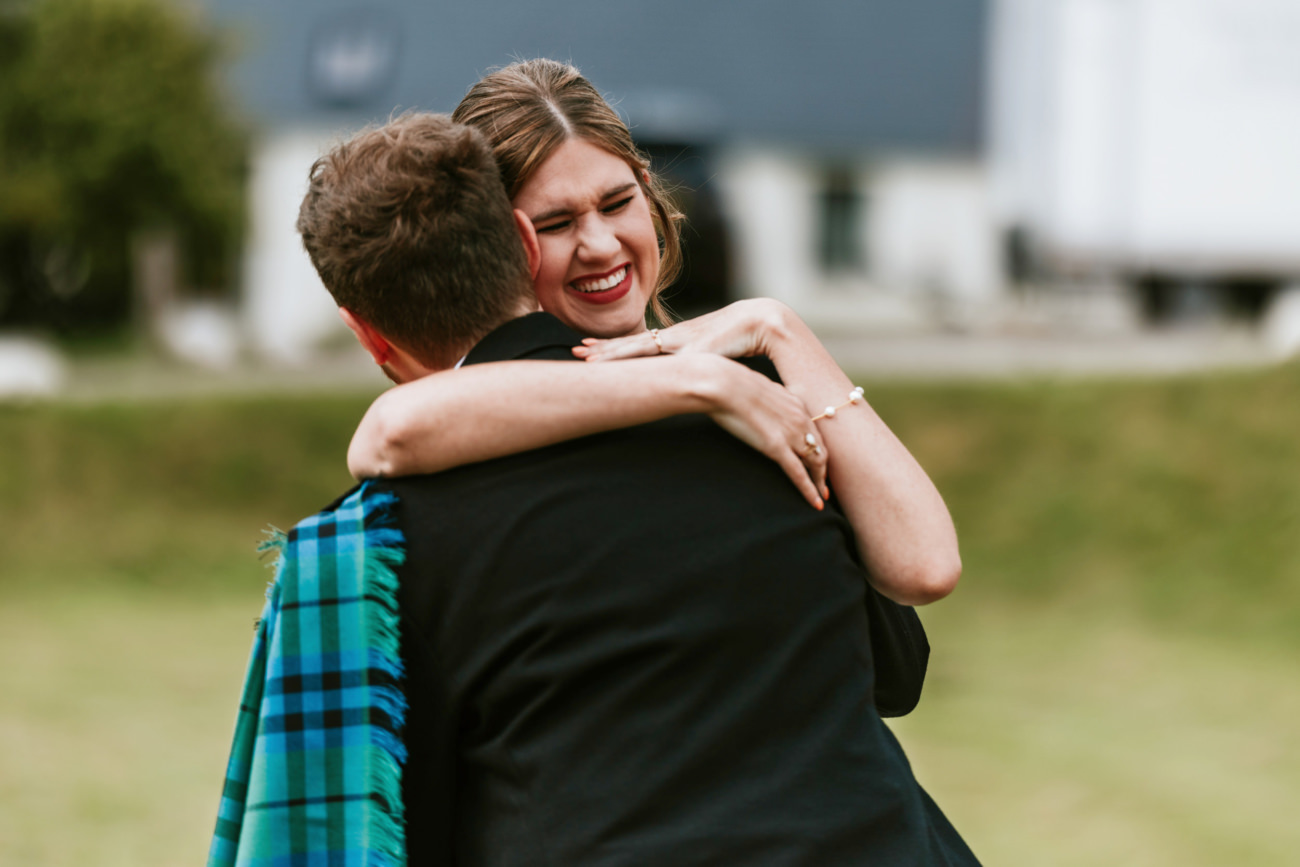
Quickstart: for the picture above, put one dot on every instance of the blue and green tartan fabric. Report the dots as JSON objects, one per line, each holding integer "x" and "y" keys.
{"x": 315, "y": 769}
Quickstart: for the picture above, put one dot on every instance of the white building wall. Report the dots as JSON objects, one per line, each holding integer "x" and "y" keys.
{"x": 287, "y": 312}
{"x": 930, "y": 246}
{"x": 933, "y": 233}
{"x": 765, "y": 198}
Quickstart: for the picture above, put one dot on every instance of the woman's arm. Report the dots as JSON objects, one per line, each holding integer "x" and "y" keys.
{"x": 489, "y": 410}
{"x": 903, "y": 528}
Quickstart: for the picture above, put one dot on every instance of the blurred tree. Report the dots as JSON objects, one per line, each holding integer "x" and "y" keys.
{"x": 111, "y": 124}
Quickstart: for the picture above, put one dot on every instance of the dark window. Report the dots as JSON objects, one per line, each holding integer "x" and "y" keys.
{"x": 840, "y": 213}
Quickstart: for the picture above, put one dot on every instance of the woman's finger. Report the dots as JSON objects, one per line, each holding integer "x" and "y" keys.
{"x": 635, "y": 346}
{"x": 816, "y": 459}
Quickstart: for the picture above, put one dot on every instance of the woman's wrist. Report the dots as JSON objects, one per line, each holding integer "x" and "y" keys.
{"x": 770, "y": 322}
{"x": 789, "y": 342}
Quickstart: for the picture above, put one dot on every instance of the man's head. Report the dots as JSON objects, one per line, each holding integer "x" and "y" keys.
{"x": 411, "y": 231}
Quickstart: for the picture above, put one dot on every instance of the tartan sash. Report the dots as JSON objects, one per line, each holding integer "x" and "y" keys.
{"x": 314, "y": 776}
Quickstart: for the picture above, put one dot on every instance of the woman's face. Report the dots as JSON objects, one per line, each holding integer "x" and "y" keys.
{"x": 600, "y": 255}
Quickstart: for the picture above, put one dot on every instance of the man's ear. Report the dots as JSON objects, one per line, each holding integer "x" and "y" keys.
{"x": 532, "y": 249}
{"x": 374, "y": 342}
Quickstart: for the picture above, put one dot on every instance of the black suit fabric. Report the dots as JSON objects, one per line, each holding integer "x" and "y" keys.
{"x": 642, "y": 648}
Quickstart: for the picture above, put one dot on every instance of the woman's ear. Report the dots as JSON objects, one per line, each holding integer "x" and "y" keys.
{"x": 374, "y": 342}
{"x": 532, "y": 249}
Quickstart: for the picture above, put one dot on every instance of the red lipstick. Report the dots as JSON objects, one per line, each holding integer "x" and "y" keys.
{"x": 603, "y": 296}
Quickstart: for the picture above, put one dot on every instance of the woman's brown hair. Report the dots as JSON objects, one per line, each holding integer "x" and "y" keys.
{"x": 529, "y": 108}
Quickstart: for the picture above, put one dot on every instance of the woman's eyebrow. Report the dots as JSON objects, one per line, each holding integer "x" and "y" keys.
{"x": 618, "y": 191}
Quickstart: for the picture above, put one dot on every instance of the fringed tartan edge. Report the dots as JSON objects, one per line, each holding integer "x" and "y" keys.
{"x": 384, "y": 552}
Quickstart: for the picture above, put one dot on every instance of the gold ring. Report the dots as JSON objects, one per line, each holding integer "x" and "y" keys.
{"x": 654, "y": 333}
{"x": 811, "y": 446}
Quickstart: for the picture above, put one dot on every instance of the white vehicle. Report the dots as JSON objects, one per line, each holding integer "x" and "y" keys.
{"x": 1153, "y": 141}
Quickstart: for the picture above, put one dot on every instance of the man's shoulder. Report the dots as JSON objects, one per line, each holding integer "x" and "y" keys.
{"x": 355, "y": 510}
{"x": 338, "y": 501}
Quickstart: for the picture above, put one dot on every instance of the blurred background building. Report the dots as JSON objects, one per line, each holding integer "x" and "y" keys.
{"x": 827, "y": 153}
{"x": 983, "y": 166}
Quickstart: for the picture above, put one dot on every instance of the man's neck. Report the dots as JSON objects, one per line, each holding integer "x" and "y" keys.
{"x": 526, "y": 305}
{"x": 412, "y": 369}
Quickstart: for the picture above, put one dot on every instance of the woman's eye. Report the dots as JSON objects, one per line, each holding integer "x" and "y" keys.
{"x": 617, "y": 206}
{"x": 553, "y": 227}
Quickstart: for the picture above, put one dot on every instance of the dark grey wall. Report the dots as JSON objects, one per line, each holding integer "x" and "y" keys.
{"x": 824, "y": 73}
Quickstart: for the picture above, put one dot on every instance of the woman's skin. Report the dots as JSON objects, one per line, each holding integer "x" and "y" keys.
{"x": 595, "y": 266}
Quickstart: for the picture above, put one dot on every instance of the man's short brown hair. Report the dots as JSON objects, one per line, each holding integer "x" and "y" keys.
{"x": 410, "y": 228}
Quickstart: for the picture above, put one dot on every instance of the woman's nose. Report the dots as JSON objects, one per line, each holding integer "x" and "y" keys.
{"x": 596, "y": 240}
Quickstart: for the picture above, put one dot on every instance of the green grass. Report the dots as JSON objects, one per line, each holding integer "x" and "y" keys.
{"x": 161, "y": 495}
{"x": 1076, "y": 739}
{"x": 1113, "y": 683}
{"x": 116, "y": 722}
{"x": 1178, "y": 500}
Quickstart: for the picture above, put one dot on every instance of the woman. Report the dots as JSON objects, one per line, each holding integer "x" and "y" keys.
{"x": 600, "y": 220}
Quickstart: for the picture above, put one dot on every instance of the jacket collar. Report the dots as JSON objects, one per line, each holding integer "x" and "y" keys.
{"x": 522, "y": 337}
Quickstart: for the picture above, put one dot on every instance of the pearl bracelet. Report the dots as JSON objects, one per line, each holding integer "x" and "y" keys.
{"x": 855, "y": 396}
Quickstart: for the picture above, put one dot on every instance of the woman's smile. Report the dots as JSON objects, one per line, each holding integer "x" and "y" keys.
{"x": 600, "y": 253}
{"x": 606, "y": 289}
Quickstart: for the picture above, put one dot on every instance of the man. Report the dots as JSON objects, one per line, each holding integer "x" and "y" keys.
{"x": 641, "y": 647}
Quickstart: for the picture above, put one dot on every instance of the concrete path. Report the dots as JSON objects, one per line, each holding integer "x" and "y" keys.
{"x": 347, "y": 371}
{"x": 968, "y": 356}
{"x": 876, "y": 357}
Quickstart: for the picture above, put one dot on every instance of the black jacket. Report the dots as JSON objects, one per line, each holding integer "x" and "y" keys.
{"x": 642, "y": 648}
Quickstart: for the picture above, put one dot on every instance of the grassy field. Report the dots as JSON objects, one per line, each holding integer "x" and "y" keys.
{"x": 1113, "y": 683}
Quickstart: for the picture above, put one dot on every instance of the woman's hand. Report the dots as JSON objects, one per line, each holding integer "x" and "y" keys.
{"x": 766, "y": 416}
{"x": 738, "y": 330}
